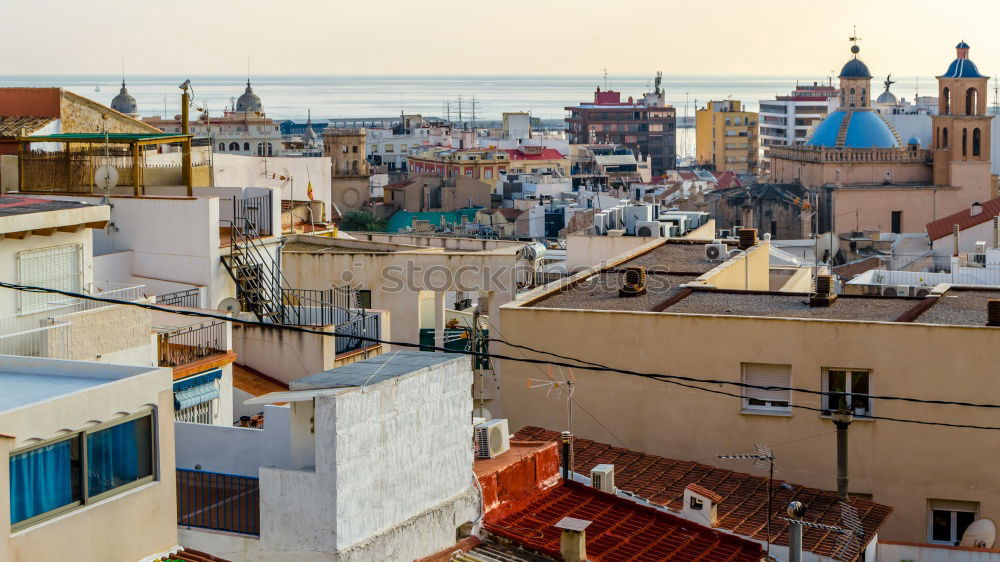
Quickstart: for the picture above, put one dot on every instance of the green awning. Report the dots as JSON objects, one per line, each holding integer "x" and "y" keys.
{"x": 111, "y": 137}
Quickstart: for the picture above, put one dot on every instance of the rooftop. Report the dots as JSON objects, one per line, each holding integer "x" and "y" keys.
{"x": 742, "y": 508}
{"x": 600, "y": 292}
{"x": 44, "y": 216}
{"x": 959, "y": 307}
{"x": 374, "y": 370}
{"x": 794, "y": 305}
{"x": 17, "y": 125}
{"x": 851, "y": 270}
{"x": 29, "y": 380}
{"x": 620, "y": 529}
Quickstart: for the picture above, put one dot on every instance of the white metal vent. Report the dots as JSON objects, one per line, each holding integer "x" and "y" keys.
{"x": 58, "y": 267}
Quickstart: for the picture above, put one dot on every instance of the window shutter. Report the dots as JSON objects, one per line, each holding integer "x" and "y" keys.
{"x": 766, "y": 374}
{"x": 58, "y": 267}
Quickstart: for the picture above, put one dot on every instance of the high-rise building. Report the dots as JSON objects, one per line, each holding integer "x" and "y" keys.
{"x": 788, "y": 120}
{"x": 727, "y": 137}
{"x": 648, "y": 126}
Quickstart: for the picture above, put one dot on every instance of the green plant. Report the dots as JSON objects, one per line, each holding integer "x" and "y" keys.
{"x": 363, "y": 221}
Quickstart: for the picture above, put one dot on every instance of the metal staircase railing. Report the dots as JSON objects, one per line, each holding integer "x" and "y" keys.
{"x": 257, "y": 276}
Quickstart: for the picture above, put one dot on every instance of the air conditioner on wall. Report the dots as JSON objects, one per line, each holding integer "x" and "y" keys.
{"x": 602, "y": 477}
{"x": 715, "y": 252}
{"x": 895, "y": 290}
{"x": 492, "y": 439}
{"x": 649, "y": 228}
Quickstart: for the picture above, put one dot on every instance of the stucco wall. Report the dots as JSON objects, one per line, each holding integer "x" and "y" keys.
{"x": 9, "y": 248}
{"x": 584, "y": 251}
{"x": 871, "y": 208}
{"x": 281, "y": 354}
{"x": 902, "y": 465}
{"x": 111, "y": 329}
{"x": 143, "y": 520}
{"x": 236, "y": 450}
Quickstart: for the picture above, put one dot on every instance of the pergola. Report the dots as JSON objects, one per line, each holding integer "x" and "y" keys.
{"x": 86, "y": 161}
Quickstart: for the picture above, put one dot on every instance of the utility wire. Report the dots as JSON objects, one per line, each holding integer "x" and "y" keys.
{"x": 670, "y": 379}
{"x": 600, "y": 367}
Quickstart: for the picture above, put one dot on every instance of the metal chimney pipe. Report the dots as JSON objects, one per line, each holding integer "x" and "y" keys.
{"x": 996, "y": 232}
{"x": 795, "y": 512}
{"x": 567, "y": 437}
{"x": 954, "y": 240}
{"x": 842, "y": 418}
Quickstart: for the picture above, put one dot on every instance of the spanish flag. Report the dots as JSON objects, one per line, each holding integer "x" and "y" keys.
{"x": 309, "y": 190}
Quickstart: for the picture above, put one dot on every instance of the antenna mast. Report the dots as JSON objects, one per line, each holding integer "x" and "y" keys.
{"x": 605, "y": 79}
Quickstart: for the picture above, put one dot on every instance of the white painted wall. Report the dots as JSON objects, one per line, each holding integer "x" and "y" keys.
{"x": 9, "y": 248}
{"x": 888, "y": 552}
{"x": 235, "y": 170}
{"x": 236, "y": 450}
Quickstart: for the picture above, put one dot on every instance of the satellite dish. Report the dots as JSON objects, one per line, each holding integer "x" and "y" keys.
{"x": 827, "y": 246}
{"x": 230, "y": 305}
{"x": 106, "y": 177}
{"x": 982, "y": 533}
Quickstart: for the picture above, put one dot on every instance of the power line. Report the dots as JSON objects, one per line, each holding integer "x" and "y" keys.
{"x": 601, "y": 367}
{"x": 669, "y": 379}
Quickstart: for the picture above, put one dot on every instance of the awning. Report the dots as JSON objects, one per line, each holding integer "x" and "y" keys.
{"x": 194, "y": 396}
{"x": 197, "y": 380}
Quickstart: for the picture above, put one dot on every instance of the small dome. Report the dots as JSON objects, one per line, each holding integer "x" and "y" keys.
{"x": 124, "y": 102}
{"x": 962, "y": 45}
{"x": 887, "y": 98}
{"x": 855, "y": 69}
{"x": 249, "y": 101}
{"x": 864, "y": 129}
{"x": 914, "y": 140}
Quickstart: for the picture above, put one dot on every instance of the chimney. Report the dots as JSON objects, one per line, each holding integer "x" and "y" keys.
{"x": 701, "y": 505}
{"x": 954, "y": 240}
{"x": 824, "y": 295}
{"x": 746, "y": 216}
{"x": 635, "y": 282}
{"x": 996, "y": 232}
{"x": 993, "y": 312}
{"x": 977, "y": 208}
{"x": 748, "y": 238}
{"x": 573, "y": 542}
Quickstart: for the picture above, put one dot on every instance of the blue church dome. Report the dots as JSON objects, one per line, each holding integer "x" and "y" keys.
{"x": 962, "y": 66}
{"x": 913, "y": 140}
{"x": 864, "y": 129}
{"x": 855, "y": 69}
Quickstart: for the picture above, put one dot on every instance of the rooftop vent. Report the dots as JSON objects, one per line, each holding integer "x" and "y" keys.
{"x": 635, "y": 282}
{"x": 748, "y": 238}
{"x": 824, "y": 295}
{"x": 602, "y": 477}
{"x": 993, "y": 312}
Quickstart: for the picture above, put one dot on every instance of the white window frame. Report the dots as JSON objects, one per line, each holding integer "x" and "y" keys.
{"x": 767, "y": 408}
{"x": 827, "y": 407}
{"x": 954, "y": 507}
{"x": 37, "y": 302}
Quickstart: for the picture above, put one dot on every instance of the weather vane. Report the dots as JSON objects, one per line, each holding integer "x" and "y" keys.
{"x": 854, "y": 39}
{"x": 888, "y": 81}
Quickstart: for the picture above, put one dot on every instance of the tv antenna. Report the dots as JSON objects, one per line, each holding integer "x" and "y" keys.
{"x": 563, "y": 384}
{"x": 763, "y": 458}
{"x": 605, "y": 79}
{"x": 850, "y": 532}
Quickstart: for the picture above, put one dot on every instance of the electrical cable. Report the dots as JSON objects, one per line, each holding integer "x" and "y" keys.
{"x": 670, "y": 379}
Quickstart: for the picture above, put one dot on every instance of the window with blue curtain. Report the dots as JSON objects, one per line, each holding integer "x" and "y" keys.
{"x": 44, "y": 479}
{"x": 119, "y": 455}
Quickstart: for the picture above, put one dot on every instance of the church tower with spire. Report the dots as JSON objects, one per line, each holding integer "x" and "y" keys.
{"x": 962, "y": 127}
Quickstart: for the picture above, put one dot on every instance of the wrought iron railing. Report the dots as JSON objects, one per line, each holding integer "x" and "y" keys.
{"x": 189, "y": 297}
{"x": 222, "y": 502}
{"x": 179, "y": 346}
{"x": 353, "y": 334}
{"x": 253, "y": 214}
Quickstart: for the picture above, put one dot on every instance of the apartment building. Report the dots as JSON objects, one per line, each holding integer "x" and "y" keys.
{"x": 727, "y": 137}
{"x": 788, "y": 120}
{"x": 88, "y": 467}
{"x": 698, "y": 326}
{"x": 646, "y": 126}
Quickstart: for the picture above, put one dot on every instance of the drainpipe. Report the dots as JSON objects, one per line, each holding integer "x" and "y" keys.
{"x": 842, "y": 418}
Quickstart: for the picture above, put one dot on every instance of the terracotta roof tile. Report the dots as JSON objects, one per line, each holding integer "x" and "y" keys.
{"x": 702, "y": 491}
{"x": 851, "y": 270}
{"x": 743, "y": 504}
{"x": 620, "y": 530}
{"x": 942, "y": 227}
{"x": 12, "y": 126}
{"x": 254, "y": 382}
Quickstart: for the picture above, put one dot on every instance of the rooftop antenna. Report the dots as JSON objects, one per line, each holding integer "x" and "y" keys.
{"x": 605, "y": 79}
{"x": 850, "y": 532}
{"x": 564, "y": 384}
{"x": 996, "y": 96}
{"x": 763, "y": 457}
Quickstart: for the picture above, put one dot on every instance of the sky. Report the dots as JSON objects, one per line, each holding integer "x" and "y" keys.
{"x": 479, "y": 37}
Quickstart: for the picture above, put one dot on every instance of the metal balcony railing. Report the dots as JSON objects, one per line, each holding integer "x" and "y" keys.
{"x": 178, "y": 346}
{"x": 221, "y": 502}
{"x": 189, "y": 298}
{"x": 351, "y": 333}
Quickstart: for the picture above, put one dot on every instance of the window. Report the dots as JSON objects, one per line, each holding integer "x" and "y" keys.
{"x": 946, "y": 95}
{"x": 58, "y": 267}
{"x": 246, "y": 146}
{"x": 965, "y": 141}
{"x": 847, "y": 384}
{"x": 897, "y": 222}
{"x": 976, "y": 142}
{"x": 390, "y": 148}
{"x": 767, "y": 375}
{"x": 234, "y": 147}
{"x": 222, "y": 147}
{"x": 89, "y": 466}
{"x": 488, "y": 173}
{"x": 365, "y": 298}
{"x": 947, "y": 520}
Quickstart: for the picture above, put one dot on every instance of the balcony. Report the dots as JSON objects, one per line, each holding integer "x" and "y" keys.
{"x": 220, "y": 502}
{"x": 187, "y": 344}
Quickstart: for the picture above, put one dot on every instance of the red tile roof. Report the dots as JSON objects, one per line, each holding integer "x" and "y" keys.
{"x": 545, "y": 154}
{"x": 727, "y": 179}
{"x": 744, "y": 496}
{"x": 942, "y": 227}
{"x": 851, "y": 270}
{"x": 620, "y": 530}
{"x": 687, "y": 175}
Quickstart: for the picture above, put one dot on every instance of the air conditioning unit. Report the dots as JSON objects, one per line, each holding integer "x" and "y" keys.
{"x": 715, "y": 252}
{"x": 649, "y": 228}
{"x": 725, "y": 233}
{"x": 602, "y": 477}
{"x": 895, "y": 290}
{"x": 492, "y": 439}
{"x": 922, "y": 291}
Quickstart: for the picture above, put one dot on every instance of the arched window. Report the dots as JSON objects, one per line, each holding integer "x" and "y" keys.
{"x": 246, "y": 146}
{"x": 234, "y": 146}
{"x": 354, "y": 167}
{"x": 843, "y": 97}
{"x": 965, "y": 142}
{"x": 260, "y": 149}
{"x": 269, "y": 149}
{"x": 864, "y": 97}
{"x": 971, "y": 101}
{"x": 945, "y": 133}
{"x": 975, "y": 142}
{"x": 222, "y": 147}
{"x": 946, "y": 97}
{"x": 937, "y": 138}
{"x": 854, "y": 98}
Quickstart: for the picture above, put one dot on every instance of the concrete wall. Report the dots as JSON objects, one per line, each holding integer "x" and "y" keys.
{"x": 871, "y": 208}
{"x": 584, "y": 251}
{"x": 447, "y": 242}
{"x": 905, "y": 360}
{"x": 281, "y": 354}
{"x": 121, "y": 334}
{"x": 748, "y": 271}
{"x": 130, "y": 526}
{"x": 236, "y": 450}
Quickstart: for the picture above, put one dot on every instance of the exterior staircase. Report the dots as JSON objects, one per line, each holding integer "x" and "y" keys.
{"x": 258, "y": 278}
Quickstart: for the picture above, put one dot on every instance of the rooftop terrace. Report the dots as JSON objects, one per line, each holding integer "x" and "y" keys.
{"x": 28, "y": 381}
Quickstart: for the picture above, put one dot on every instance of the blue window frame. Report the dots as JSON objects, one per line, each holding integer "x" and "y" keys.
{"x": 44, "y": 479}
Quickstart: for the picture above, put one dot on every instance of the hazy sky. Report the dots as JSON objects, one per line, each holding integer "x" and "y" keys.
{"x": 776, "y": 37}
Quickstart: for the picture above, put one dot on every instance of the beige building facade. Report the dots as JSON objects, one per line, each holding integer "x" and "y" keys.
{"x": 350, "y": 183}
